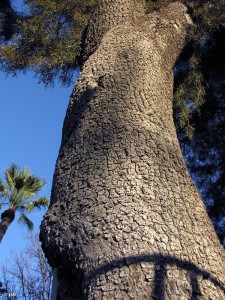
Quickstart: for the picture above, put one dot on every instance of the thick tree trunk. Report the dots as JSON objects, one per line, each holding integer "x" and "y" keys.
{"x": 125, "y": 220}
{"x": 6, "y": 219}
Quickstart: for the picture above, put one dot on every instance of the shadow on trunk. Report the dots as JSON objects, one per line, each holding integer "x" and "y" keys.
{"x": 162, "y": 266}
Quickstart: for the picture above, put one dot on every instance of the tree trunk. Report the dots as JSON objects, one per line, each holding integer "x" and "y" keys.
{"x": 125, "y": 220}
{"x": 6, "y": 219}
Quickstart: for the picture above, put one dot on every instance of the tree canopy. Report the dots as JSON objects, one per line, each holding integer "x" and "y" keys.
{"x": 205, "y": 153}
{"x": 47, "y": 37}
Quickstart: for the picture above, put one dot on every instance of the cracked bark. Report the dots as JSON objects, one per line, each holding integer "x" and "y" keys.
{"x": 125, "y": 220}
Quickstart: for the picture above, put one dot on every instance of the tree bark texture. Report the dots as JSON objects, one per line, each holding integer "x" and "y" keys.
{"x": 125, "y": 220}
{"x": 6, "y": 219}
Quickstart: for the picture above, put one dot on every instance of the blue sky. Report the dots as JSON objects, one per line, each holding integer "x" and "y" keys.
{"x": 31, "y": 123}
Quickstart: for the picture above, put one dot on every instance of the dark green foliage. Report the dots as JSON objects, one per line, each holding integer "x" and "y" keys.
{"x": 17, "y": 191}
{"x": 205, "y": 153}
{"x": 49, "y": 39}
{"x": 189, "y": 93}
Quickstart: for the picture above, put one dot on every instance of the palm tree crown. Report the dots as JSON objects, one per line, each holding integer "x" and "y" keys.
{"x": 17, "y": 192}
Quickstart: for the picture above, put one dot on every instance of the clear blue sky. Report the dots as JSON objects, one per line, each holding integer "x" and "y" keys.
{"x": 31, "y": 123}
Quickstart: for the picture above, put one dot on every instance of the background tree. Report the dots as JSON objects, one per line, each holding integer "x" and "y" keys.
{"x": 205, "y": 152}
{"x": 27, "y": 274}
{"x": 17, "y": 191}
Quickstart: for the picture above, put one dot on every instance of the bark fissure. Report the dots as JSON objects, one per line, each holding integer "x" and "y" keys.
{"x": 121, "y": 190}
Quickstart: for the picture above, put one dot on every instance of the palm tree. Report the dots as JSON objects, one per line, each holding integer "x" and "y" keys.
{"x": 16, "y": 192}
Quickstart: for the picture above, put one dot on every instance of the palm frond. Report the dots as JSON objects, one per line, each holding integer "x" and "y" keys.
{"x": 17, "y": 198}
{"x": 33, "y": 184}
{"x": 10, "y": 175}
{"x": 25, "y": 221}
{"x": 21, "y": 183}
{"x": 2, "y": 189}
{"x": 37, "y": 204}
{"x": 19, "y": 188}
{"x": 23, "y": 194}
{"x": 22, "y": 208}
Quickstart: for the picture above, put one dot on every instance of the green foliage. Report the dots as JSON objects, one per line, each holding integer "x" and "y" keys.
{"x": 209, "y": 16}
{"x": 21, "y": 185}
{"x": 205, "y": 153}
{"x": 49, "y": 39}
{"x": 189, "y": 96}
{"x": 36, "y": 204}
{"x": 18, "y": 190}
{"x": 2, "y": 188}
{"x": 23, "y": 220}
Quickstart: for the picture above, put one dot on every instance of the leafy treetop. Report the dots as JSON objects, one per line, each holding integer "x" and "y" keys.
{"x": 47, "y": 38}
{"x": 17, "y": 191}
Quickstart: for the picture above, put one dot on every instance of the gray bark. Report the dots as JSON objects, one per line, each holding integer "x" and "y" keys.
{"x": 126, "y": 221}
